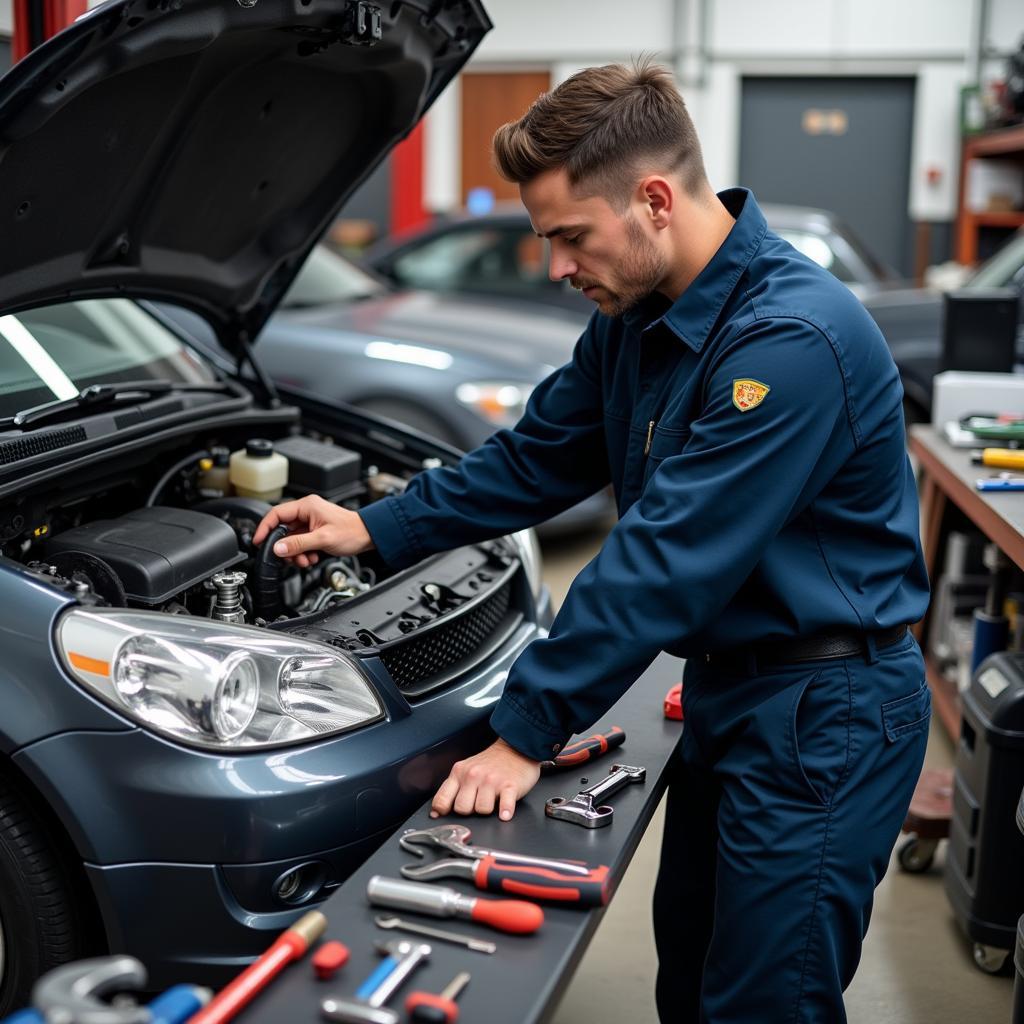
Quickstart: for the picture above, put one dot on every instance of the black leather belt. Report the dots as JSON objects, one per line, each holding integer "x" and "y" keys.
{"x": 821, "y": 647}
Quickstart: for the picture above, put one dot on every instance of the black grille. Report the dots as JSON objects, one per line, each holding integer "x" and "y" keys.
{"x": 421, "y": 659}
{"x": 38, "y": 444}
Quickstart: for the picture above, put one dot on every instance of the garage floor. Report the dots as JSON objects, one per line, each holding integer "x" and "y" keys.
{"x": 916, "y": 967}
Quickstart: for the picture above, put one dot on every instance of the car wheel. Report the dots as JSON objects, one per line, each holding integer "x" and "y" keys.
{"x": 412, "y": 416}
{"x": 39, "y": 924}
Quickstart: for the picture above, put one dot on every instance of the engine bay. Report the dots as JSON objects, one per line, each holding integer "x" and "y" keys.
{"x": 174, "y": 535}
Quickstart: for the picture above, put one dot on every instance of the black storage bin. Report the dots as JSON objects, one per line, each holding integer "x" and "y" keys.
{"x": 1018, "y": 952}
{"x": 1018, "y": 981}
{"x": 983, "y": 876}
{"x": 979, "y": 329}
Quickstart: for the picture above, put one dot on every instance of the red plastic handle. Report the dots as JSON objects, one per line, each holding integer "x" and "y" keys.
{"x": 536, "y": 883}
{"x": 516, "y": 916}
{"x": 589, "y": 747}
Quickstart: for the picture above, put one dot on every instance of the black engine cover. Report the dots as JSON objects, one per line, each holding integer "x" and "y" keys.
{"x": 156, "y": 552}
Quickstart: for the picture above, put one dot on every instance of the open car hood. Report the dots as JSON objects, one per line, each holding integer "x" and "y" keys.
{"x": 194, "y": 150}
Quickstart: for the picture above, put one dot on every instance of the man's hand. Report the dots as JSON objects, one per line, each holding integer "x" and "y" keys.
{"x": 315, "y": 525}
{"x": 498, "y": 773}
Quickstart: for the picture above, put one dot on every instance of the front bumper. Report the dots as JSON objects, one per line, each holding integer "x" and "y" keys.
{"x": 183, "y": 847}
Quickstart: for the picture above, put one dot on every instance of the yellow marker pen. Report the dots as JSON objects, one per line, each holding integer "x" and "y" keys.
{"x": 1001, "y": 458}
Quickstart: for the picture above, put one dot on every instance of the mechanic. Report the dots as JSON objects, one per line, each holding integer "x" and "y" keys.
{"x": 749, "y": 415}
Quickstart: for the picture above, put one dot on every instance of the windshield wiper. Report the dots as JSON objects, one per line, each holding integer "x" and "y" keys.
{"x": 97, "y": 396}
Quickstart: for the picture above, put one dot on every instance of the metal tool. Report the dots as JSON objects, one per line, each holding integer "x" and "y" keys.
{"x": 586, "y": 749}
{"x": 428, "y": 1008}
{"x": 536, "y": 883}
{"x": 515, "y": 916}
{"x": 585, "y": 808}
{"x": 401, "y": 958}
{"x": 455, "y": 839}
{"x": 290, "y": 945}
{"x": 70, "y": 994}
{"x": 477, "y": 945}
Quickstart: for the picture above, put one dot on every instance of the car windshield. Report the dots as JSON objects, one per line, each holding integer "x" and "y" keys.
{"x": 55, "y": 351}
{"x": 1004, "y": 269}
{"x": 817, "y": 248}
{"x": 325, "y": 278}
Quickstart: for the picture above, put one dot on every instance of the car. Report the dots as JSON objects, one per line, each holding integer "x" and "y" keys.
{"x": 498, "y": 253}
{"x": 199, "y": 742}
{"x": 911, "y": 320}
{"x": 455, "y": 367}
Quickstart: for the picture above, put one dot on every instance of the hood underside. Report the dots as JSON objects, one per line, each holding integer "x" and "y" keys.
{"x": 194, "y": 150}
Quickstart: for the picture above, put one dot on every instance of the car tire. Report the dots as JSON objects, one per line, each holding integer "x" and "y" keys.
{"x": 414, "y": 416}
{"x": 39, "y": 923}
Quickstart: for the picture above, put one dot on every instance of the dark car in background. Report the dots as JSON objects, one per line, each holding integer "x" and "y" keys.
{"x": 455, "y": 367}
{"x": 911, "y": 320}
{"x": 498, "y": 253}
{"x": 199, "y": 742}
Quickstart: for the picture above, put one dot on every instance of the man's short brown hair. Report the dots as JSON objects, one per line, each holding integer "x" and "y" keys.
{"x": 606, "y": 126}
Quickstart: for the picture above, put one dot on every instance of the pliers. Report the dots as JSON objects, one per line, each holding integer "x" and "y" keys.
{"x": 566, "y": 882}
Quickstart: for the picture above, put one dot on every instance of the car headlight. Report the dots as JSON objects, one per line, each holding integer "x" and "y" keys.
{"x": 212, "y": 684}
{"x": 529, "y": 554}
{"x": 497, "y": 402}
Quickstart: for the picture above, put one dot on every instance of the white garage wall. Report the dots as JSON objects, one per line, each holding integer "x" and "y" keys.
{"x": 931, "y": 39}
{"x": 6, "y": 17}
{"x": 583, "y": 30}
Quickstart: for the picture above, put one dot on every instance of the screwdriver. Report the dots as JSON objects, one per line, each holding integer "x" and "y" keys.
{"x": 516, "y": 916}
{"x": 428, "y": 1008}
{"x": 586, "y": 749}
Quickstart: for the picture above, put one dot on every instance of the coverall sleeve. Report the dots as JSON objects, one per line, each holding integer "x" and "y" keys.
{"x": 553, "y": 458}
{"x": 681, "y": 552}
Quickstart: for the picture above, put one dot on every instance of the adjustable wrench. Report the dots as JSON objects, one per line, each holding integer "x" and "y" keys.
{"x": 585, "y": 808}
{"x": 455, "y": 839}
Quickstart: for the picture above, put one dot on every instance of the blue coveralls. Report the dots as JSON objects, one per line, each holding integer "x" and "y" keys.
{"x": 753, "y": 433}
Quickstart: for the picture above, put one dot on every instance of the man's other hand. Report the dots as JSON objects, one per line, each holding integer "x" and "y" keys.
{"x": 314, "y": 525}
{"x": 499, "y": 773}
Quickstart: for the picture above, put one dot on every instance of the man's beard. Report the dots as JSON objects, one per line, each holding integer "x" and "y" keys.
{"x": 642, "y": 269}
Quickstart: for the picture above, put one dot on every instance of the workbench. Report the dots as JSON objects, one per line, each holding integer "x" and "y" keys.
{"x": 947, "y": 477}
{"x": 524, "y": 980}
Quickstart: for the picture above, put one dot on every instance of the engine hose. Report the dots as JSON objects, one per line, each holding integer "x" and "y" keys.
{"x": 176, "y": 468}
{"x": 266, "y": 582}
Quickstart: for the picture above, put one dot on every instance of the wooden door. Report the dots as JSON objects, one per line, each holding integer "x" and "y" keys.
{"x": 489, "y": 100}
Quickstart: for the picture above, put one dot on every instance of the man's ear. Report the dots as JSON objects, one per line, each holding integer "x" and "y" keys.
{"x": 657, "y": 196}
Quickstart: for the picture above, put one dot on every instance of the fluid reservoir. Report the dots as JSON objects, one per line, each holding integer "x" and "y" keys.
{"x": 257, "y": 471}
{"x": 214, "y": 479}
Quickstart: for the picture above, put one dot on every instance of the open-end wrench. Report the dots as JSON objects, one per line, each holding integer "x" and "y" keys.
{"x": 477, "y": 945}
{"x": 455, "y": 839}
{"x": 585, "y": 808}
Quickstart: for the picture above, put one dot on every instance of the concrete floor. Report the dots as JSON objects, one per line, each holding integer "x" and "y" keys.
{"x": 916, "y": 966}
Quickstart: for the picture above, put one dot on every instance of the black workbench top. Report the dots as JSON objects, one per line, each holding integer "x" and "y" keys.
{"x": 524, "y": 980}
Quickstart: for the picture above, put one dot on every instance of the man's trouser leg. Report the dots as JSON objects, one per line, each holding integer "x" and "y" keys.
{"x": 815, "y": 767}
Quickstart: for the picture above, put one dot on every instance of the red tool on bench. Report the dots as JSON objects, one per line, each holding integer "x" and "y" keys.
{"x": 571, "y": 883}
{"x": 586, "y": 749}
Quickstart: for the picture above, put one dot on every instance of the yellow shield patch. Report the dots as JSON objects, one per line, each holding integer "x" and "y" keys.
{"x": 748, "y": 394}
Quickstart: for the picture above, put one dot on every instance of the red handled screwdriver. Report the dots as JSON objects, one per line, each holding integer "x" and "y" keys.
{"x": 515, "y": 916}
{"x": 428, "y": 1008}
{"x": 586, "y": 749}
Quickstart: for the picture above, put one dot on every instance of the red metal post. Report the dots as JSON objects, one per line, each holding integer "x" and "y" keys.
{"x": 407, "y": 209}
{"x": 36, "y": 20}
